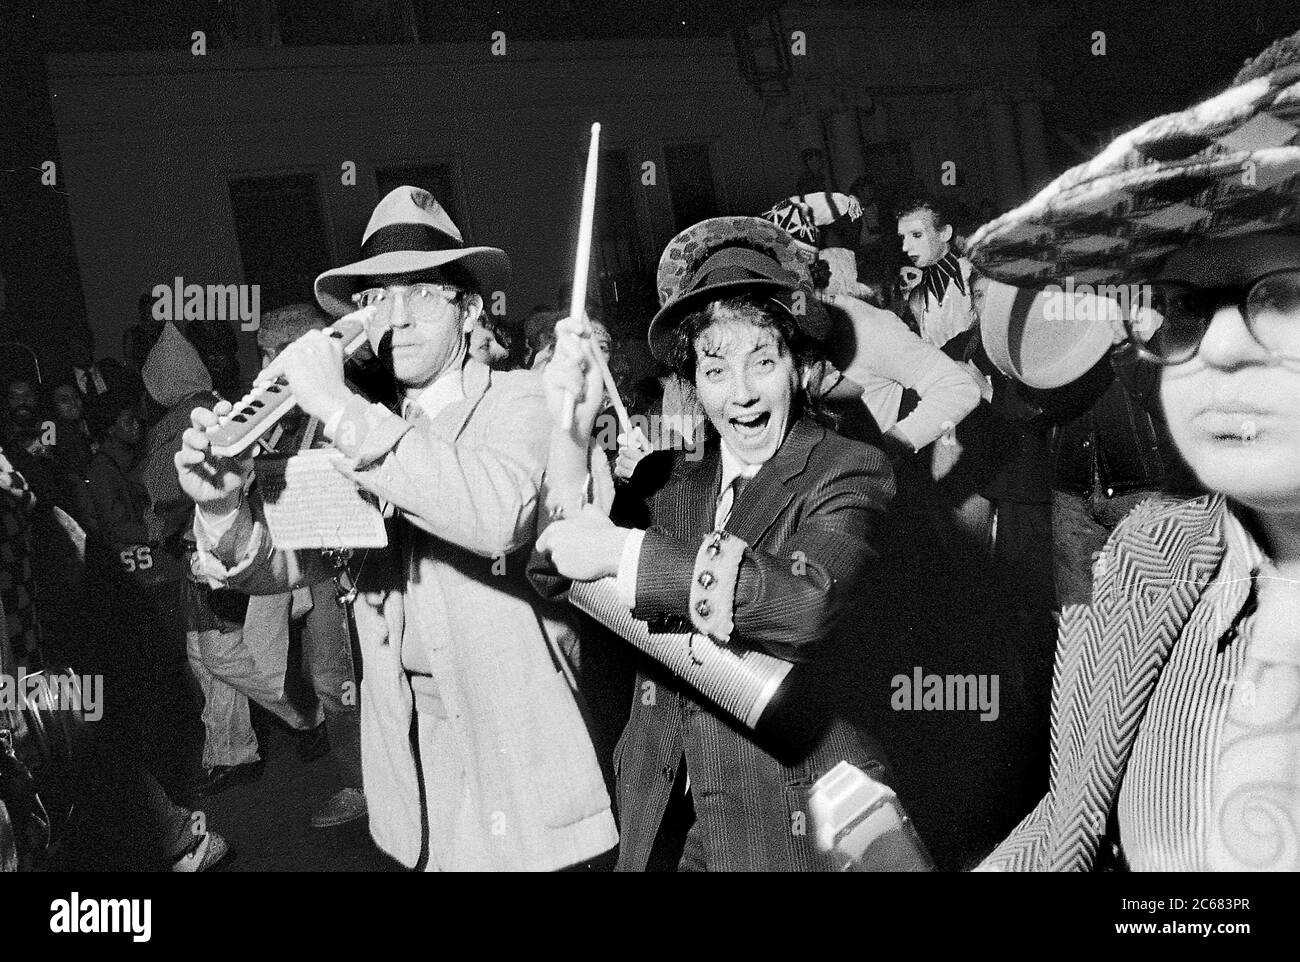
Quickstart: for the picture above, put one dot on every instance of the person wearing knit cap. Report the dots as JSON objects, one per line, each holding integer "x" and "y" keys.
{"x": 173, "y": 370}
{"x": 1175, "y": 738}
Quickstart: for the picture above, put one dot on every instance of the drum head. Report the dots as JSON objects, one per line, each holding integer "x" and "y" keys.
{"x": 1045, "y": 338}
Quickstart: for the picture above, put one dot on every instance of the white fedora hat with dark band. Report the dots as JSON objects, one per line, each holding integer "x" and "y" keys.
{"x": 409, "y": 232}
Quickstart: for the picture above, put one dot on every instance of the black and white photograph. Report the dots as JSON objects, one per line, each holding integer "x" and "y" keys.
{"x": 649, "y": 436}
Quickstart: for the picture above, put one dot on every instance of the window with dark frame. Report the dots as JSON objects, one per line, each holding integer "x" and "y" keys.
{"x": 619, "y": 268}
{"x": 281, "y": 232}
{"x": 690, "y": 183}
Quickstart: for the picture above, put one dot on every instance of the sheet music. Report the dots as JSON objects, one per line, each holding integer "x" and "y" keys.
{"x": 310, "y": 505}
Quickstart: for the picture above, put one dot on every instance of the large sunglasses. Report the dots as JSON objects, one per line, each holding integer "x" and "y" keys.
{"x": 424, "y": 301}
{"x": 1169, "y": 320}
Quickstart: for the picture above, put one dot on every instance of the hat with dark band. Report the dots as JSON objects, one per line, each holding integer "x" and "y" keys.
{"x": 410, "y": 232}
{"x": 1227, "y": 167}
{"x": 729, "y": 256}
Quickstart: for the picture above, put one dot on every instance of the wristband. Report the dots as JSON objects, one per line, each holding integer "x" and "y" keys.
{"x": 713, "y": 585}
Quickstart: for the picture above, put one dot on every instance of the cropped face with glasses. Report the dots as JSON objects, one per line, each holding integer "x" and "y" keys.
{"x": 1223, "y": 319}
{"x": 428, "y": 318}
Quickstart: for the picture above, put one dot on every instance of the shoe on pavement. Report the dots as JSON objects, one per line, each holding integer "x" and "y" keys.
{"x": 346, "y": 805}
{"x": 221, "y": 777}
{"x": 313, "y": 743}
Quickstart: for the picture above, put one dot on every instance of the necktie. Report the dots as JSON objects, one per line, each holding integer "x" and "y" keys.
{"x": 1256, "y": 789}
{"x": 728, "y": 500}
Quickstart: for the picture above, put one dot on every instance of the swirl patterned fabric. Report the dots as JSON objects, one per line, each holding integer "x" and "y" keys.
{"x": 1257, "y": 779}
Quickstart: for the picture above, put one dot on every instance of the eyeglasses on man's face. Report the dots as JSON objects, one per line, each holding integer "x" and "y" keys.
{"x": 1169, "y": 321}
{"x": 423, "y": 301}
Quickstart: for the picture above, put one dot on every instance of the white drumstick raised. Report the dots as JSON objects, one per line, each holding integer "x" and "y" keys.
{"x": 578, "y": 305}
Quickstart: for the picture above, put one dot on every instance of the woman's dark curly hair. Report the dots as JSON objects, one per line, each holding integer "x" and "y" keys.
{"x": 763, "y": 311}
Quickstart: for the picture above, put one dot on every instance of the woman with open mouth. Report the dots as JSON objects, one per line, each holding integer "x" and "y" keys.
{"x": 763, "y": 543}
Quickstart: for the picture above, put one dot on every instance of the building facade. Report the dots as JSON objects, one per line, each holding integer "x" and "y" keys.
{"x": 260, "y": 165}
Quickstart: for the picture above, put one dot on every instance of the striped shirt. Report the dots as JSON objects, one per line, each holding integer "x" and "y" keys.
{"x": 1166, "y": 800}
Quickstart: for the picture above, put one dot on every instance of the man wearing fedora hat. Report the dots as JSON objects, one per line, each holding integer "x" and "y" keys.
{"x": 474, "y": 751}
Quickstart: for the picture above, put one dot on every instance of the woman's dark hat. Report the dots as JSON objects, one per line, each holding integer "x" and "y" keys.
{"x": 410, "y": 232}
{"x": 729, "y": 256}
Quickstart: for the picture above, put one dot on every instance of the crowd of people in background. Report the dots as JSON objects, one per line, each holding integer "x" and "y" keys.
{"x": 974, "y": 510}
{"x": 964, "y": 442}
{"x": 97, "y": 444}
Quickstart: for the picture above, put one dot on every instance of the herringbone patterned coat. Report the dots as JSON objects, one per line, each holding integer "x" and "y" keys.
{"x": 1150, "y": 577}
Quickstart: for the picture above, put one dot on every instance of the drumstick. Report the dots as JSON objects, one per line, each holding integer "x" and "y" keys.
{"x": 624, "y": 422}
{"x": 578, "y": 305}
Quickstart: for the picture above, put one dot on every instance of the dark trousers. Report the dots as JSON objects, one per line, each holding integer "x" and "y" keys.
{"x": 679, "y": 845}
{"x": 329, "y": 662}
{"x": 1081, "y": 525}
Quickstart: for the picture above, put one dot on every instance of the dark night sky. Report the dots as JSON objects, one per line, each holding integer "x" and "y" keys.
{"x": 1161, "y": 56}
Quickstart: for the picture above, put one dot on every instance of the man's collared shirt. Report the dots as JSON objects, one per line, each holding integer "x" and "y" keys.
{"x": 447, "y": 388}
{"x": 445, "y": 391}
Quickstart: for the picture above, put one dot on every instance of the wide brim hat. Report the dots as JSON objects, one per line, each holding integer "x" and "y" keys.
{"x": 1227, "y": 167}
{"x": 728, "y": 256}
{"x": 408, "y": 232}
